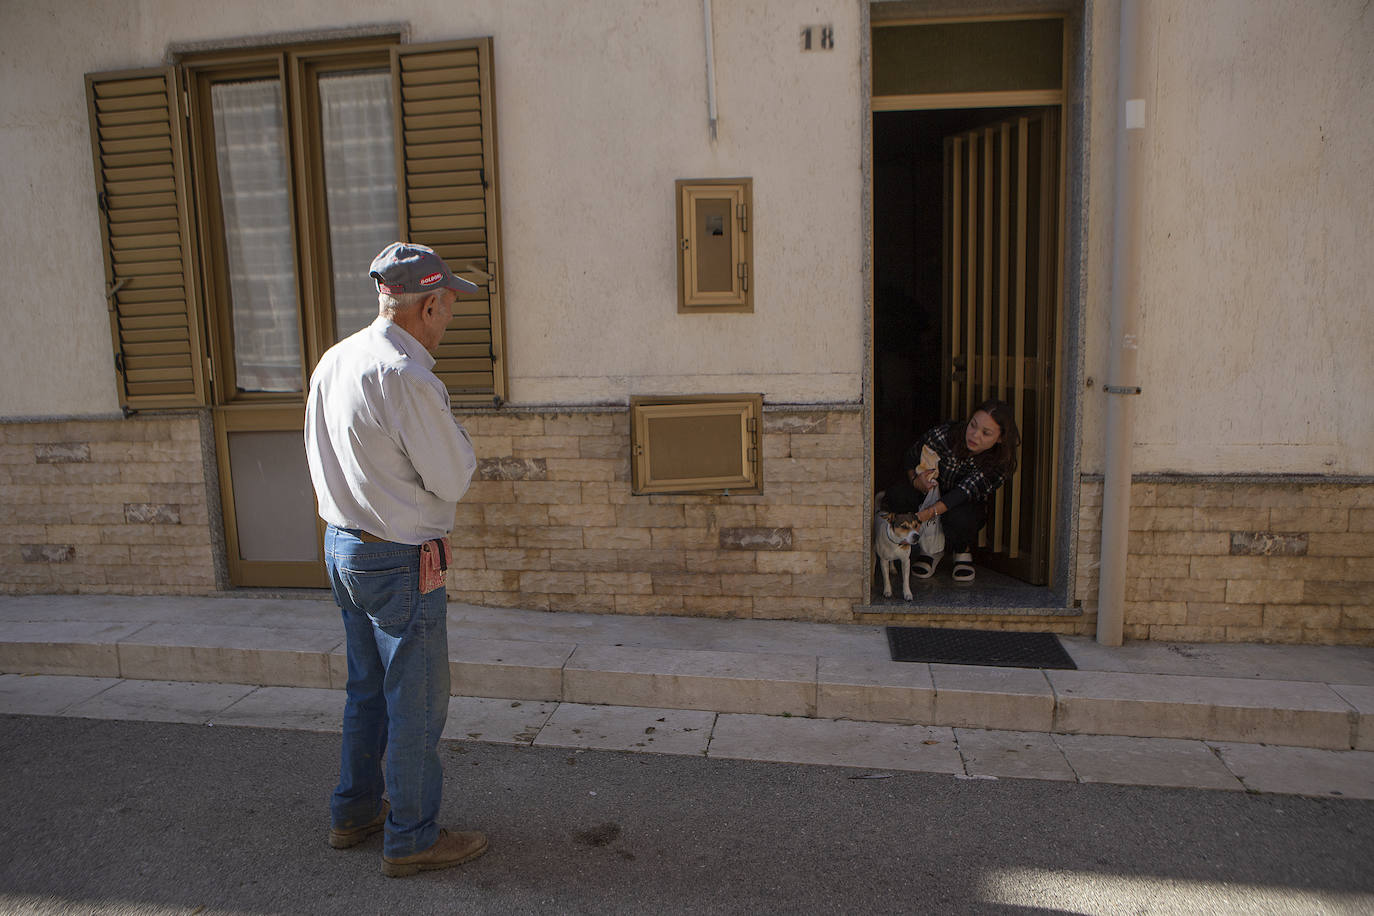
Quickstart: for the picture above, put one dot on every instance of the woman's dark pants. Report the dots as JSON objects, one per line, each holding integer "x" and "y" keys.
{"x": 961, "y": 526}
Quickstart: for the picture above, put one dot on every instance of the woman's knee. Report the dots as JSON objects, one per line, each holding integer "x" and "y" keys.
{"x": 961, "y": 525}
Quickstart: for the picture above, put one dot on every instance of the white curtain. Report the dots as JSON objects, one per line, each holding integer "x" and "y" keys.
{"x": 360, "y": 188}
{"x": 257, "y": 232}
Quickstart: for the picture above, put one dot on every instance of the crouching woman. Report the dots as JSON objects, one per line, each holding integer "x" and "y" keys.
{"x": 975, "y": 458}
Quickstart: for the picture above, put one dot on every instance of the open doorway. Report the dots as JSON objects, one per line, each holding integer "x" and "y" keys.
{"x": 966, "y": 245}
{"x": 968, "y": 165}
{"x": 908, "y": 239}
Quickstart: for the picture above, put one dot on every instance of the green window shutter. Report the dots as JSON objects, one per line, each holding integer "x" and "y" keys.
{"x": 446, "y": 159}
{"x": 140, "y": 179}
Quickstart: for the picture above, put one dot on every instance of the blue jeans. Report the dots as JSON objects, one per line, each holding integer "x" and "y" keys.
{"x": 398, "y": 689}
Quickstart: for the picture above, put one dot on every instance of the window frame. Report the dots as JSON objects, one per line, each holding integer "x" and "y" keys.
{"x": 476, "y": 347}
{"x": 298, "y": 70}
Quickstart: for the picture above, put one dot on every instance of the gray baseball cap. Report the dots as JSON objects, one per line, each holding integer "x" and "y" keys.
{"x": 405, "y": 267}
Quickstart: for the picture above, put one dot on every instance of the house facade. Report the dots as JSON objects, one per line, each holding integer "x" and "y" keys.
{"x": 734, "y": 257}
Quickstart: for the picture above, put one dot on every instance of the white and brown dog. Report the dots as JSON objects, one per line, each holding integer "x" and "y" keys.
{"x": 893, "y": 535}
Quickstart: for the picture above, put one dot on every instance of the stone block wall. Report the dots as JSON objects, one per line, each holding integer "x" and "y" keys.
{"x": 115, "y": 506}
{"x": 550, "y": 522}
{"x": 1217, "y": 559}
{"x": 123, "y": 506}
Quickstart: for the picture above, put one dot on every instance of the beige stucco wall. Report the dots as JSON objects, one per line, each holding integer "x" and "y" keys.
{"x": 600, "y": 107}
{"x": 1255, "y": 338}
{"x": 1256, "y": 335}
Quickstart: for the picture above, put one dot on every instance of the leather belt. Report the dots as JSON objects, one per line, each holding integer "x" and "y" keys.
{"x": 371, "y": 538}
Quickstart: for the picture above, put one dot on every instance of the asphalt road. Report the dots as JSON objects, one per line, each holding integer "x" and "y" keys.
{"x": 137, "y": 817}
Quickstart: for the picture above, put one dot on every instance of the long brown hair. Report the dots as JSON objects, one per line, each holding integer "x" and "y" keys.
{"x": 1002, "y": 455}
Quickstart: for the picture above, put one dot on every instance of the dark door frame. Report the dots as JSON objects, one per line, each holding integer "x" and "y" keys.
{"x": 1061, "y": 592}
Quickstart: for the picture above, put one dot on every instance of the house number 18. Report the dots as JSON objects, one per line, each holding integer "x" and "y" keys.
{"x": 817, "y": 37}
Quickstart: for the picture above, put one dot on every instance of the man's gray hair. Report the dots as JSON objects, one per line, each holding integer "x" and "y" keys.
{"x": 389, "y": 304}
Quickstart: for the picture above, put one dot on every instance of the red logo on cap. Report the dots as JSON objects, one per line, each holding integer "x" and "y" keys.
{"x": 432, "y": 278}
{"x": 388, "y": 288}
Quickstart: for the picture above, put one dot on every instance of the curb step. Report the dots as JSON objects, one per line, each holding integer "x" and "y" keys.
{"x": 1246, "y": 710}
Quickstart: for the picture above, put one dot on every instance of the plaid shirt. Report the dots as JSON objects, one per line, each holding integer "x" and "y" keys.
{"x": 960, "y": 481}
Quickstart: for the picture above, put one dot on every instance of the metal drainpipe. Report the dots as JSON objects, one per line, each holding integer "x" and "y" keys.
{"x": 710, "y": 69}
{"x": 1122, "y": 379}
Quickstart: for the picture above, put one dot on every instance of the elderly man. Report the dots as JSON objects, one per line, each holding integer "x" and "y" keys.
{"x": 389, "y": 464}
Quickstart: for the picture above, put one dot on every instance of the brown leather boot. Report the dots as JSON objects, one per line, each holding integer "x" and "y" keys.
{"x": 449, "y": 850}
{"x": 343, "y": 838}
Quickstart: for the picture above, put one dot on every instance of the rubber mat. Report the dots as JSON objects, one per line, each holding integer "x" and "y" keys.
{"x": 996, "y": 648}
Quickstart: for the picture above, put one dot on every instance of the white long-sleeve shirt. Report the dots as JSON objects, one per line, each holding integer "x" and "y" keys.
{"x": 385, "y": 453}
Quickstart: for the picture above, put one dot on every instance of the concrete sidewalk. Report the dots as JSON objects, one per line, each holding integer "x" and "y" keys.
{"x": 758, "y": 683}
{"x": 876, "y": 750}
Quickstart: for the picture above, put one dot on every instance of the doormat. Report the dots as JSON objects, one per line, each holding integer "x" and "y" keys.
{"x": 997, "y": 648}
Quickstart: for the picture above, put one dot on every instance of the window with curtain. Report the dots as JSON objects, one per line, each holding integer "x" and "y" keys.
{"x": 256, "y": 207}
{"x": 245, "y": 192}
{"x": 358, "y": 149}
{"x": 360, "y": 188}
{"x": 299, "y": 157}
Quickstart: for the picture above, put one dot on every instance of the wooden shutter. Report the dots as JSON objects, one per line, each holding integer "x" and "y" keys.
{"x": 446, "y": 159}
{"x": 140, "y": 180}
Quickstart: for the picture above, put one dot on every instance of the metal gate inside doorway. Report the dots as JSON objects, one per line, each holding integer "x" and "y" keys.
{"x": 1000, "y": 285}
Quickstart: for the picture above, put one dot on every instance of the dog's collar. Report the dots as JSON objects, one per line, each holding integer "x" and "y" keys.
{"x": 887, "y": 534}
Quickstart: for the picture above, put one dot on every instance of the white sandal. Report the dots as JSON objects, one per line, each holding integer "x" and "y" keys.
{"x": 963, "y": 567}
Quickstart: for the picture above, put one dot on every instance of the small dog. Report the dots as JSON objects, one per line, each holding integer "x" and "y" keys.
{"x": 893, "y": 535}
